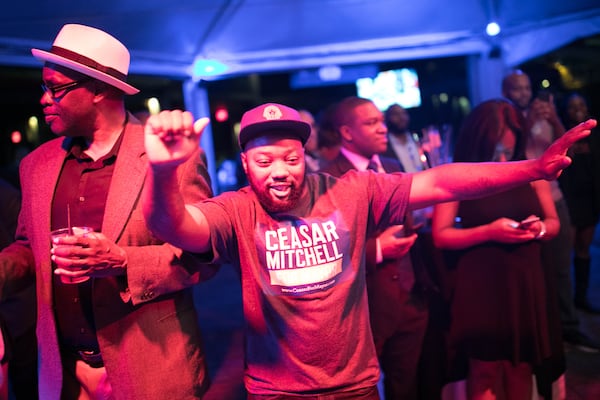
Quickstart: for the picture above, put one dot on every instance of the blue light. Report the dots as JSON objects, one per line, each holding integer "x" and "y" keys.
{"x": 203, "y": 67}
{"x": 492, "y": 29}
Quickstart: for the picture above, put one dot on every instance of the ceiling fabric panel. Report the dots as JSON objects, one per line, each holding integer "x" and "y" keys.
{"x": 166, "y": 38}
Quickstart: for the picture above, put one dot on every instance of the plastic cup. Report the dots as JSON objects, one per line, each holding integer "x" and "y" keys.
{"x": 65, "y": 232}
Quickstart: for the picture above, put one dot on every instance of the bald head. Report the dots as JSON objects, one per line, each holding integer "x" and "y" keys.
{"x": 397, "y": 120}
{"x": 516, "y": 87}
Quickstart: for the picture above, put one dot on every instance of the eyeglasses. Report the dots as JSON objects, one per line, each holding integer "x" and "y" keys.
{"x": 60, "y": 91}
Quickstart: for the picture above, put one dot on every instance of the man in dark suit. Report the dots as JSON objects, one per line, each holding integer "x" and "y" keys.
{"x": 130, "y": 331}
{"x": 402, "y": 144}
{"x": 397, "y": 308}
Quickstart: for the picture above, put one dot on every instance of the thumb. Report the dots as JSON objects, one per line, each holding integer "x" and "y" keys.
{"x": 200, "y": 125}
{"x": 397, "y": 229}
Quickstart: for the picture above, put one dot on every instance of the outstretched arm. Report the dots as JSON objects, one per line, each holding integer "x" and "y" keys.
{"x": 171, "y": 138}
{"x": 462, "y": 181}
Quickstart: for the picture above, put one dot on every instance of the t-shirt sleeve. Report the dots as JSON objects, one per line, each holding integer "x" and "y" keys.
{"x": 389, "y": 197}
{"x": 218, "y": 213}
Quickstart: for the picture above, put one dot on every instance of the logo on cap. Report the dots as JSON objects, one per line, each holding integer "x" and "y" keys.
{"x": 272, "y": 112}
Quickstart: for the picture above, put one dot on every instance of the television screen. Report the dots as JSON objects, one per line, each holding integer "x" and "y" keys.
{"x": 389, "y": 87}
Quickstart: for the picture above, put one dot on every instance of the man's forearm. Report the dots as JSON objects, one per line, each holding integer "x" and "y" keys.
{"x": 169, "y": 217}
{"x": 17, "y": 269}
{"x": 162, "y": 269}
{"x": 463, "y": 181}
{"x": 475, "y": 180}
{"x": 163, "y": 203}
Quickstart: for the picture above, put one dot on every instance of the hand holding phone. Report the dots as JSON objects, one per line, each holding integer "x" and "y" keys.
{"x": 526, "y": 223}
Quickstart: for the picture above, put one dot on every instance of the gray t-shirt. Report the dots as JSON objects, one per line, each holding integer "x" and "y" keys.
{"x": 303, "y": 279}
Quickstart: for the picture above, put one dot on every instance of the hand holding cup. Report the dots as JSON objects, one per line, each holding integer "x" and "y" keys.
{"x": 66, "y": 243}
{"x": 87, "y": 254}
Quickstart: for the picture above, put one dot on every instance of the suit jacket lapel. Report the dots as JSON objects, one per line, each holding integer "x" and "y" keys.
{"x": 128, "y": 178}
{"x": 343, "y": 164}
{"x": 44, "y": 176}
{"x": 390, "y": 164}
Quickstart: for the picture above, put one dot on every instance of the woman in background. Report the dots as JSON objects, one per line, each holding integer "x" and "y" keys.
{"x": 504, "y": 326}
{"x": 581, "y": 186}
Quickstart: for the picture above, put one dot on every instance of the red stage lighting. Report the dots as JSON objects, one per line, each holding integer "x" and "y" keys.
{"x": 16, "y": 137}
{"x": 221, "y": 114}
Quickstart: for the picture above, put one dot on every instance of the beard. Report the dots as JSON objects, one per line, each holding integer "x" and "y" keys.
{"x": 273, "y": 204}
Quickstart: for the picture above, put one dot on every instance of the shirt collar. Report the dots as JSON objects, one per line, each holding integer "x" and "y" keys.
{"x": 360, "y": 162}
{"x": 78, "y": 146}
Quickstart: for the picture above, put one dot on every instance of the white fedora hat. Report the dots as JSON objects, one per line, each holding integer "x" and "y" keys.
{"x": 91, "y": 52}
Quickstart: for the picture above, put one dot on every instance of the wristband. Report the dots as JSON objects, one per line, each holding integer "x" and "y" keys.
{"x": 542, "y": 231}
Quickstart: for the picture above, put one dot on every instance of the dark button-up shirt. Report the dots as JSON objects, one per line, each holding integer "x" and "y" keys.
{"x": 82, "y": 190}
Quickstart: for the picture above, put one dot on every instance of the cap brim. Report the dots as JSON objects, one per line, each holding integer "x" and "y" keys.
{"x": 84, "y": 69}
{"x": 299, "y": 129}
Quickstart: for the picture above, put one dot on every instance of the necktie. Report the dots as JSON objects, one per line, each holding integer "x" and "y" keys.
{"x": 415, "y": 158}
{"x": 373, "y": 166}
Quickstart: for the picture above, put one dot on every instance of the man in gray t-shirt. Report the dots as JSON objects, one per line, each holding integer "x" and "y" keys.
{"x": 299, "y": 241}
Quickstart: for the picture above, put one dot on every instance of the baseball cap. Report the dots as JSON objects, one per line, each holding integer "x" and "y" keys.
{"x": 270, "y": 117}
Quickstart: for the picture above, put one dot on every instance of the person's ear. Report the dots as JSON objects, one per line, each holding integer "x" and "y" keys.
{"x": 97, "y": 91}
{"x": 345, "y": 133}
{"x": 100, "y": 90}
{"x": 244, "y": 159}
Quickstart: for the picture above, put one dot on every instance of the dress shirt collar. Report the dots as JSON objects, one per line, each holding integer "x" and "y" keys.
{"x": 360, "y": 162}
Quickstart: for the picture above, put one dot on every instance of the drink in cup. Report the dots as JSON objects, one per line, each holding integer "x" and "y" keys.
{"x": 65, "y": 232}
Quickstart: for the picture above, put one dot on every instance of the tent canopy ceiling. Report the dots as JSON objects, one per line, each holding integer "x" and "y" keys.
{"x": 166, "y": 38}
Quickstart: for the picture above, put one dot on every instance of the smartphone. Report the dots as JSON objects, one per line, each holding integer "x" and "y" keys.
{"x": 524, "y": 224}
{"x": 414, "y": 228}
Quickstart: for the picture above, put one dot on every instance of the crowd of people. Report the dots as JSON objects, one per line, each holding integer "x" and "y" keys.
{"x": 334, "y": 239}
